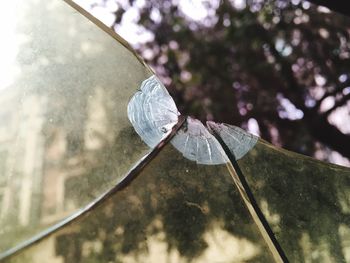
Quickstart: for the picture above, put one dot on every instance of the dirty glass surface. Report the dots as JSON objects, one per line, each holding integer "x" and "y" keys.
{"x": 64, "y": 133}
{"x": 174, "y": 211}
{"x": 306, "y": 202}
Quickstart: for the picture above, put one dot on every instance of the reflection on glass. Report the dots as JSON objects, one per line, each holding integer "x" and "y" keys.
{"x": 174, "y": 211}
{"x": 307, "y": 202}
{"x": 64, "y": 133}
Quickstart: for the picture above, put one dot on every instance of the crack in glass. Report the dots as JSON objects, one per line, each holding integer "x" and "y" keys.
{"x": 237, "y": 140}
{"x": 153, "y": 113}
{"x": 197, "y": 144}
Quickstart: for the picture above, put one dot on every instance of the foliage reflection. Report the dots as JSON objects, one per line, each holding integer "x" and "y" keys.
{"x": 307, "y": 202}
{"x": 175, "y": 211}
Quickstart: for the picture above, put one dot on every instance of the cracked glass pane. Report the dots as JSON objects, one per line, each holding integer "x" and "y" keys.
{"x": 64, "y": 133}
{"x": 175, "y": 211}
{"x": 305, "y": 201}
{"x": 68, "y": 94}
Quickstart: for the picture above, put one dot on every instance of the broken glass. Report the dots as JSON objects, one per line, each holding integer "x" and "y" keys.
{"x": 174, "y": 211}
{"x": 74, "y": 123}
{"x": 152, "y": 111}
{"x": 64, "y": 90}
{"x": 306, "y": 202}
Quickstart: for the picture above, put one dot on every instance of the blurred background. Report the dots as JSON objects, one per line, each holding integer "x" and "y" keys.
{"x": 279, "y": 69}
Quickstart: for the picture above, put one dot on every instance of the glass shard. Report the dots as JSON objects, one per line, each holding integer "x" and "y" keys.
{"x": 305, "y": 201}
{"x": 65, "y": 137}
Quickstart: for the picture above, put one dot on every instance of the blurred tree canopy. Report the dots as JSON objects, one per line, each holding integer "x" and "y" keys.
{"x": 279, "y": 64}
